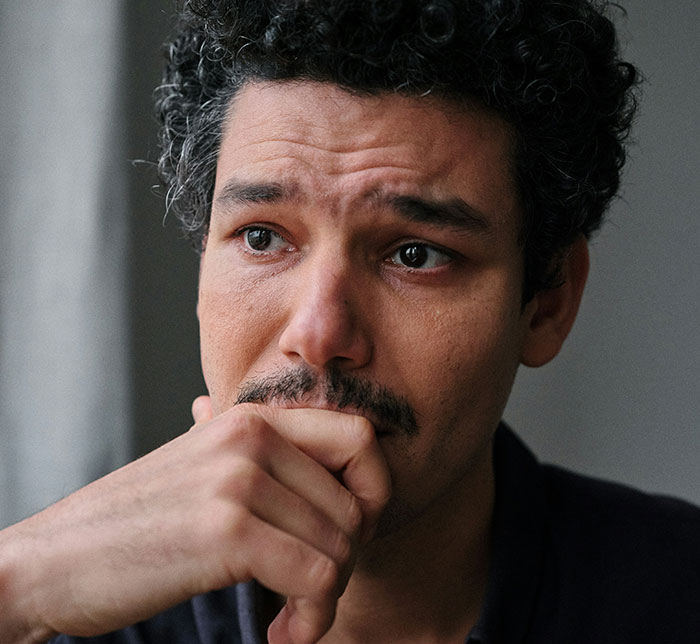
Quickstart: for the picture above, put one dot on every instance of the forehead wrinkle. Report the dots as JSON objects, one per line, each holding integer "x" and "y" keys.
{"x": 343, "y": 160}
{"x": 305, "y": 142}
{"x": 326, "y": 156}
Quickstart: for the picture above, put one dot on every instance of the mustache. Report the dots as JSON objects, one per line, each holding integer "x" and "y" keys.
{"x": 340, "y": 390}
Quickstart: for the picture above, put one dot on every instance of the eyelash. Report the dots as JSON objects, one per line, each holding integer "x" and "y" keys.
{"x": 446, "y": 255}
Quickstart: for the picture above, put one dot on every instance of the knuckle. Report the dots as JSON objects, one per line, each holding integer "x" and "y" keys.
{"x": 362, "y": 431}
{"x": 225, "y": 537}
{"x": 224, "y": 524}
{"x": 342, "y": 548}
{"x": 353, "y": 515}
{"x": 233, "y": 492}
{"x": 324, "y": 576}
{"x": 245, "y": 432}
{"x": 247, "y": 427}
{"x": 244, "y": 480}
{"x": 234, "y": 522}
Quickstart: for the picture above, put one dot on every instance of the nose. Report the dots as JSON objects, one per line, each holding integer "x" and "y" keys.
{"x": 326, "y": 327}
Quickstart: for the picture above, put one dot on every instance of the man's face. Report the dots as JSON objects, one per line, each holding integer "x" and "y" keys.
{"x": 375, "y": 238}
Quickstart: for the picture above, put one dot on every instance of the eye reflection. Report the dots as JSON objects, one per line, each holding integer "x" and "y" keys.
{"x": 259, "y": 239}
{"x": 419, "y": 256}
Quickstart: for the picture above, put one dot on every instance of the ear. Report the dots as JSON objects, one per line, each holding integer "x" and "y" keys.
{"x": 551, "y": 312}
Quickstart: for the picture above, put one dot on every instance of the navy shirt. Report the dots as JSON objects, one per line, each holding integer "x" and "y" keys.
{"x": 575, "y": 560}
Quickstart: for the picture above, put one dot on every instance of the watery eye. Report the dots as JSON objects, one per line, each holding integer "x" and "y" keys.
{"x": 419, "y": 256}
{"x": 263, "y": 239}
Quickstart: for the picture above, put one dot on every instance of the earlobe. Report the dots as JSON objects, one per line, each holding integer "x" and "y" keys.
{"x": 551, "y": 313}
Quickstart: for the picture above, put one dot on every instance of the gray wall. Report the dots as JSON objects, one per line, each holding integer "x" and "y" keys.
{"x": 622, "y": 401}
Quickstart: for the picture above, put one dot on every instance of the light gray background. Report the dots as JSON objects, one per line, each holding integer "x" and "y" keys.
{"x": 622, "y": 401}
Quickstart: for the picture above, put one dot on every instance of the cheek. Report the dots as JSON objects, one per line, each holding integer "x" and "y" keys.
{"x": 238, "y": 322}
{"x": 463, "y": 359}
{"x": 460, "y": 371}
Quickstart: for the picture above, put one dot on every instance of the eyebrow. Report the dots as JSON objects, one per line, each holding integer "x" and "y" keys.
{"x": 241, "y": 193}
{"x": 449, "y": 213}
{"x": 452, "y": 213}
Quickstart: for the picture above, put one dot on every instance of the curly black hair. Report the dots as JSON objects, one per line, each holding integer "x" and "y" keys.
{"x": 551, "y": 68}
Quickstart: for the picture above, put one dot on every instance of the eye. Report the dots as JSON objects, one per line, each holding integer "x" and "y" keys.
{"x": 419, "y": 256}
{"x": 263, "y": 240}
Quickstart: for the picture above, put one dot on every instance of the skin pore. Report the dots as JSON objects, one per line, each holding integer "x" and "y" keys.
{"x": 378, "y": 237}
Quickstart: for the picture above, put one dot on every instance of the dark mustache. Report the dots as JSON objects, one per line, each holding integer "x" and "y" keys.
{"x": 340, "y": 389}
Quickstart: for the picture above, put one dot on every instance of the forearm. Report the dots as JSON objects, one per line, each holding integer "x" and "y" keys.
{"x": 20, "y": 621}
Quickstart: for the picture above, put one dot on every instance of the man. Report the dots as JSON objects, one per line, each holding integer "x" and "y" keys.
{"x": 392, "y": 201}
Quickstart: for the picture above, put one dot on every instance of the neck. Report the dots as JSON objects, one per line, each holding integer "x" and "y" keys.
{"x": 425, "y": 581}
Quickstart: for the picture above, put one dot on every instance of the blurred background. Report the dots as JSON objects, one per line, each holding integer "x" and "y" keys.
{"x": 98, "y": 335}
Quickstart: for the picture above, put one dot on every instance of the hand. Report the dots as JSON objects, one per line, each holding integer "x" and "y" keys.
{"x": 252, "y": 493}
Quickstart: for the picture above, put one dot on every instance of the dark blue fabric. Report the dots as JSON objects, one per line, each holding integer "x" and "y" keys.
{"x": 220, "y": 617}
{"x": 575, "y": 561}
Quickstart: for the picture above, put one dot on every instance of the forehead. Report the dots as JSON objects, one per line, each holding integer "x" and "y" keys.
{"x": 331, "y": 142}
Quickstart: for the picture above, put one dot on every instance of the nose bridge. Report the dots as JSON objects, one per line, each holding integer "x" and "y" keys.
{"x": 330, "y": 282}
{"x": 325, "y": 322}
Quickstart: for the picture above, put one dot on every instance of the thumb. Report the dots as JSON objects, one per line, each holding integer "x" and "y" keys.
{"x": 201, "y": 410}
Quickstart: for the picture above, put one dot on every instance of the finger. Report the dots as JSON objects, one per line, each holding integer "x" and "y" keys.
{"x": 301, "y": 622}
{"x": 308, "y": 479}
{"x": 309, "y": 620}
{"x": 277, "y": 505}
{"x": 286, "y": 565}
{"x": 278, "y": 630}
{"x": 342, "y": 443}
{"x": 201, "y": 410}
{"x": 257, "y": 441}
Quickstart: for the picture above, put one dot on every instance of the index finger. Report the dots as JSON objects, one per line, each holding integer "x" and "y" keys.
{"x": 202, "y": 410}
{"x": 343, "y": 443}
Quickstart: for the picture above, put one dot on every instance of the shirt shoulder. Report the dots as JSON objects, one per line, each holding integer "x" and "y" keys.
{"x": 620, "y": 520}
{"x": 623, "y": 560}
